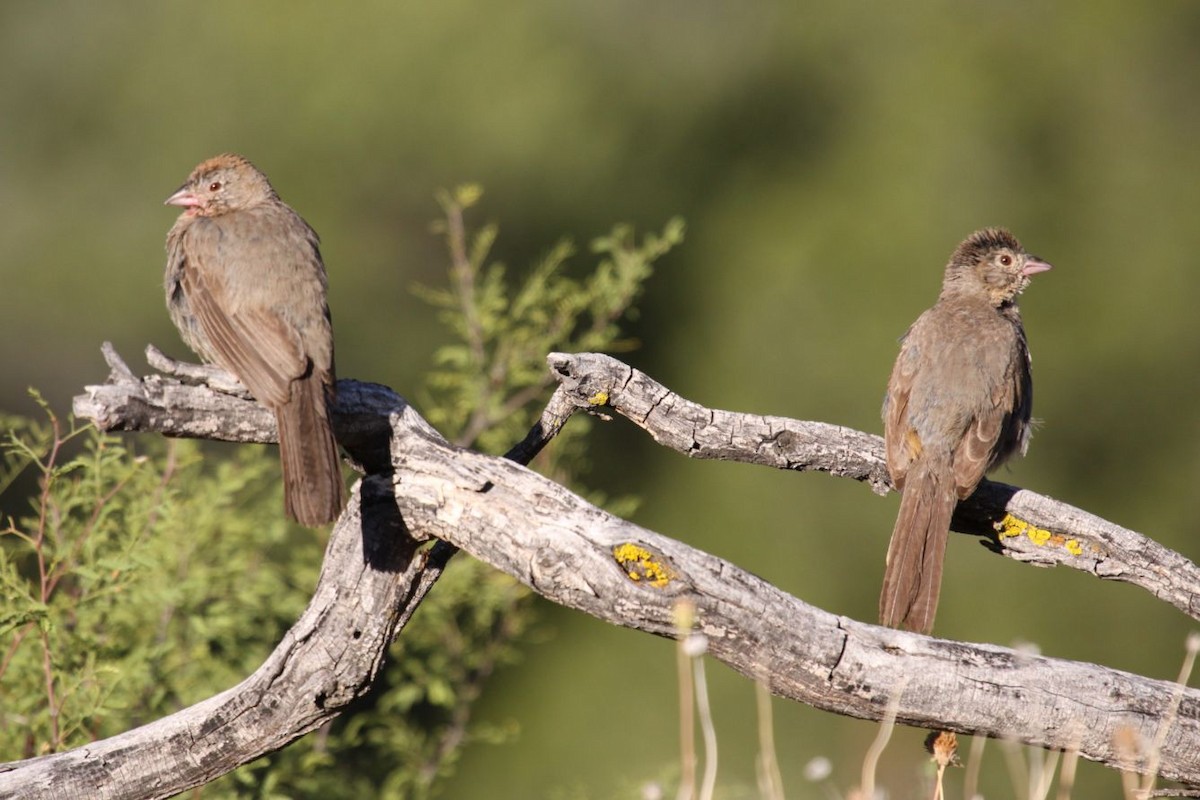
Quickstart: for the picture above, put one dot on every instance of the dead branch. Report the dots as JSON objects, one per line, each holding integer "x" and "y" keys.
{"x": 1017, "y": 523}
{"x": 372, "y": 579}
{"x": 582, "y": 557}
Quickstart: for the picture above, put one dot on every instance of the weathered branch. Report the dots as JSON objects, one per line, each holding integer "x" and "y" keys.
{"x": 373, "y": 577}
{"x": 584, "y": 558}
{"x": 1017, "y": 523}
{"x": 579, "y": 556}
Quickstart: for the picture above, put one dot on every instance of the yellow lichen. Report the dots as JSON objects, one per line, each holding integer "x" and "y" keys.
{"x": 641, "y": 564}
{"x": 1010, "y": 526}
{"x": 598, "y": 399}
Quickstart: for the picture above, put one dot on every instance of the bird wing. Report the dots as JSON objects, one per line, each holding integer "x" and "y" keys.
{"x": 902, "y": 443}
{"x": 1000, "y": 428}
{"x": 1023, "y": 385}
{"x": 973, "y": 456}
{"x": 256, "y": 345}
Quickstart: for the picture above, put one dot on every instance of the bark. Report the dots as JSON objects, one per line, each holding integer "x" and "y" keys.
{"x": 1016, "y": 523}
{"x": 584, "y": 558}
{"x": 373, "y": 577}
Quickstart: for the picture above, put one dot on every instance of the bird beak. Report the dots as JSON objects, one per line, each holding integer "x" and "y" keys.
{"x": 183, "y": 197}
{"x": 1032, "y": 267}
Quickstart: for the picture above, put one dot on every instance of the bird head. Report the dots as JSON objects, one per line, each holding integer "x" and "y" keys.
{"x": 993, "y": 262}
{"x": 222, "y": 184}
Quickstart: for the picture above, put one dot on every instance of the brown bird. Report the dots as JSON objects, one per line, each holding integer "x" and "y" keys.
{"x": 246, "y": 288}
{"x": 958, "y": 404}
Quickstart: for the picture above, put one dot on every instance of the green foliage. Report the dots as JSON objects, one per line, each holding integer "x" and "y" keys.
{"x": 143, "y": 575}
{"x": 135, "y": 583}
{"x": 483, "y": 385}
{"x": 411, "y": 730}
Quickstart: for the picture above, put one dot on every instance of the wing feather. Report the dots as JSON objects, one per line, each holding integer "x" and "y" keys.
{"x": 257, "y": 346}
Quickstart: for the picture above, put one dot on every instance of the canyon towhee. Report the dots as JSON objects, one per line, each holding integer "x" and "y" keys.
{"x": 246, "y": 288}
{"x": 958, "y": 403}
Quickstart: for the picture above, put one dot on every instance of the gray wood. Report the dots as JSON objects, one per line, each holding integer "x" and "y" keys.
{"x": 582, "y": 557}
{"x": 1063, "y": 536}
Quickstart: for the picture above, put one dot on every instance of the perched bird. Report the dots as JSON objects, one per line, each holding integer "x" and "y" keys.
{"x": 246, "y": 287}
{"x": 958, "y": 404}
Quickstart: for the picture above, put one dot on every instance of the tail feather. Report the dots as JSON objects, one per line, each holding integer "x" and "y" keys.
{"x": 912, "y": 579}
{"x": 313, "y": 489}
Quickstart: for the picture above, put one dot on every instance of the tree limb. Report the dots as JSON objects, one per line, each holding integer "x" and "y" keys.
{"x": 372, "y": 579}
{"x": 1017, "y": 523}
{"x": 584, "y": 558}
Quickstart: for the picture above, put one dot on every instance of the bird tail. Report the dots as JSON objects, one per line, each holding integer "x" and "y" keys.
{"x": 912, "y": 579}
{"x": 313, "y": 489}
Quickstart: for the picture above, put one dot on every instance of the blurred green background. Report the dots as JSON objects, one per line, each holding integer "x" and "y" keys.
{"x": 827, "y": 160}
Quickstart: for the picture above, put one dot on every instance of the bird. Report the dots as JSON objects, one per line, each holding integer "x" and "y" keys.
{"x": 958, "y": 404}
{"x": 246, "y": 287}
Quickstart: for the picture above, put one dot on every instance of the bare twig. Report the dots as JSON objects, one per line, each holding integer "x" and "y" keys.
{"x": 1168, "y": 718}
{"x": 879, "y": 744}
{"x": 685, "y": 617}
{"x": 770, "y": 781}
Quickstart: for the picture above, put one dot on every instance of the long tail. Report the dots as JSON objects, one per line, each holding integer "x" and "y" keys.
{"x": 912, "y": 579}
{"x": 313, "y": 490}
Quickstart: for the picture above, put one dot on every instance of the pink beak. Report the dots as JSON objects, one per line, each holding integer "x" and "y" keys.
{"x": 183, "y": 197}
{"x": 1032, "y": 267}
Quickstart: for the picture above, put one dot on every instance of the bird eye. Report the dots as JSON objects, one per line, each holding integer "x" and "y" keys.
{"x": 214, "y": 186}
{"x": 1006, "y": 260}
